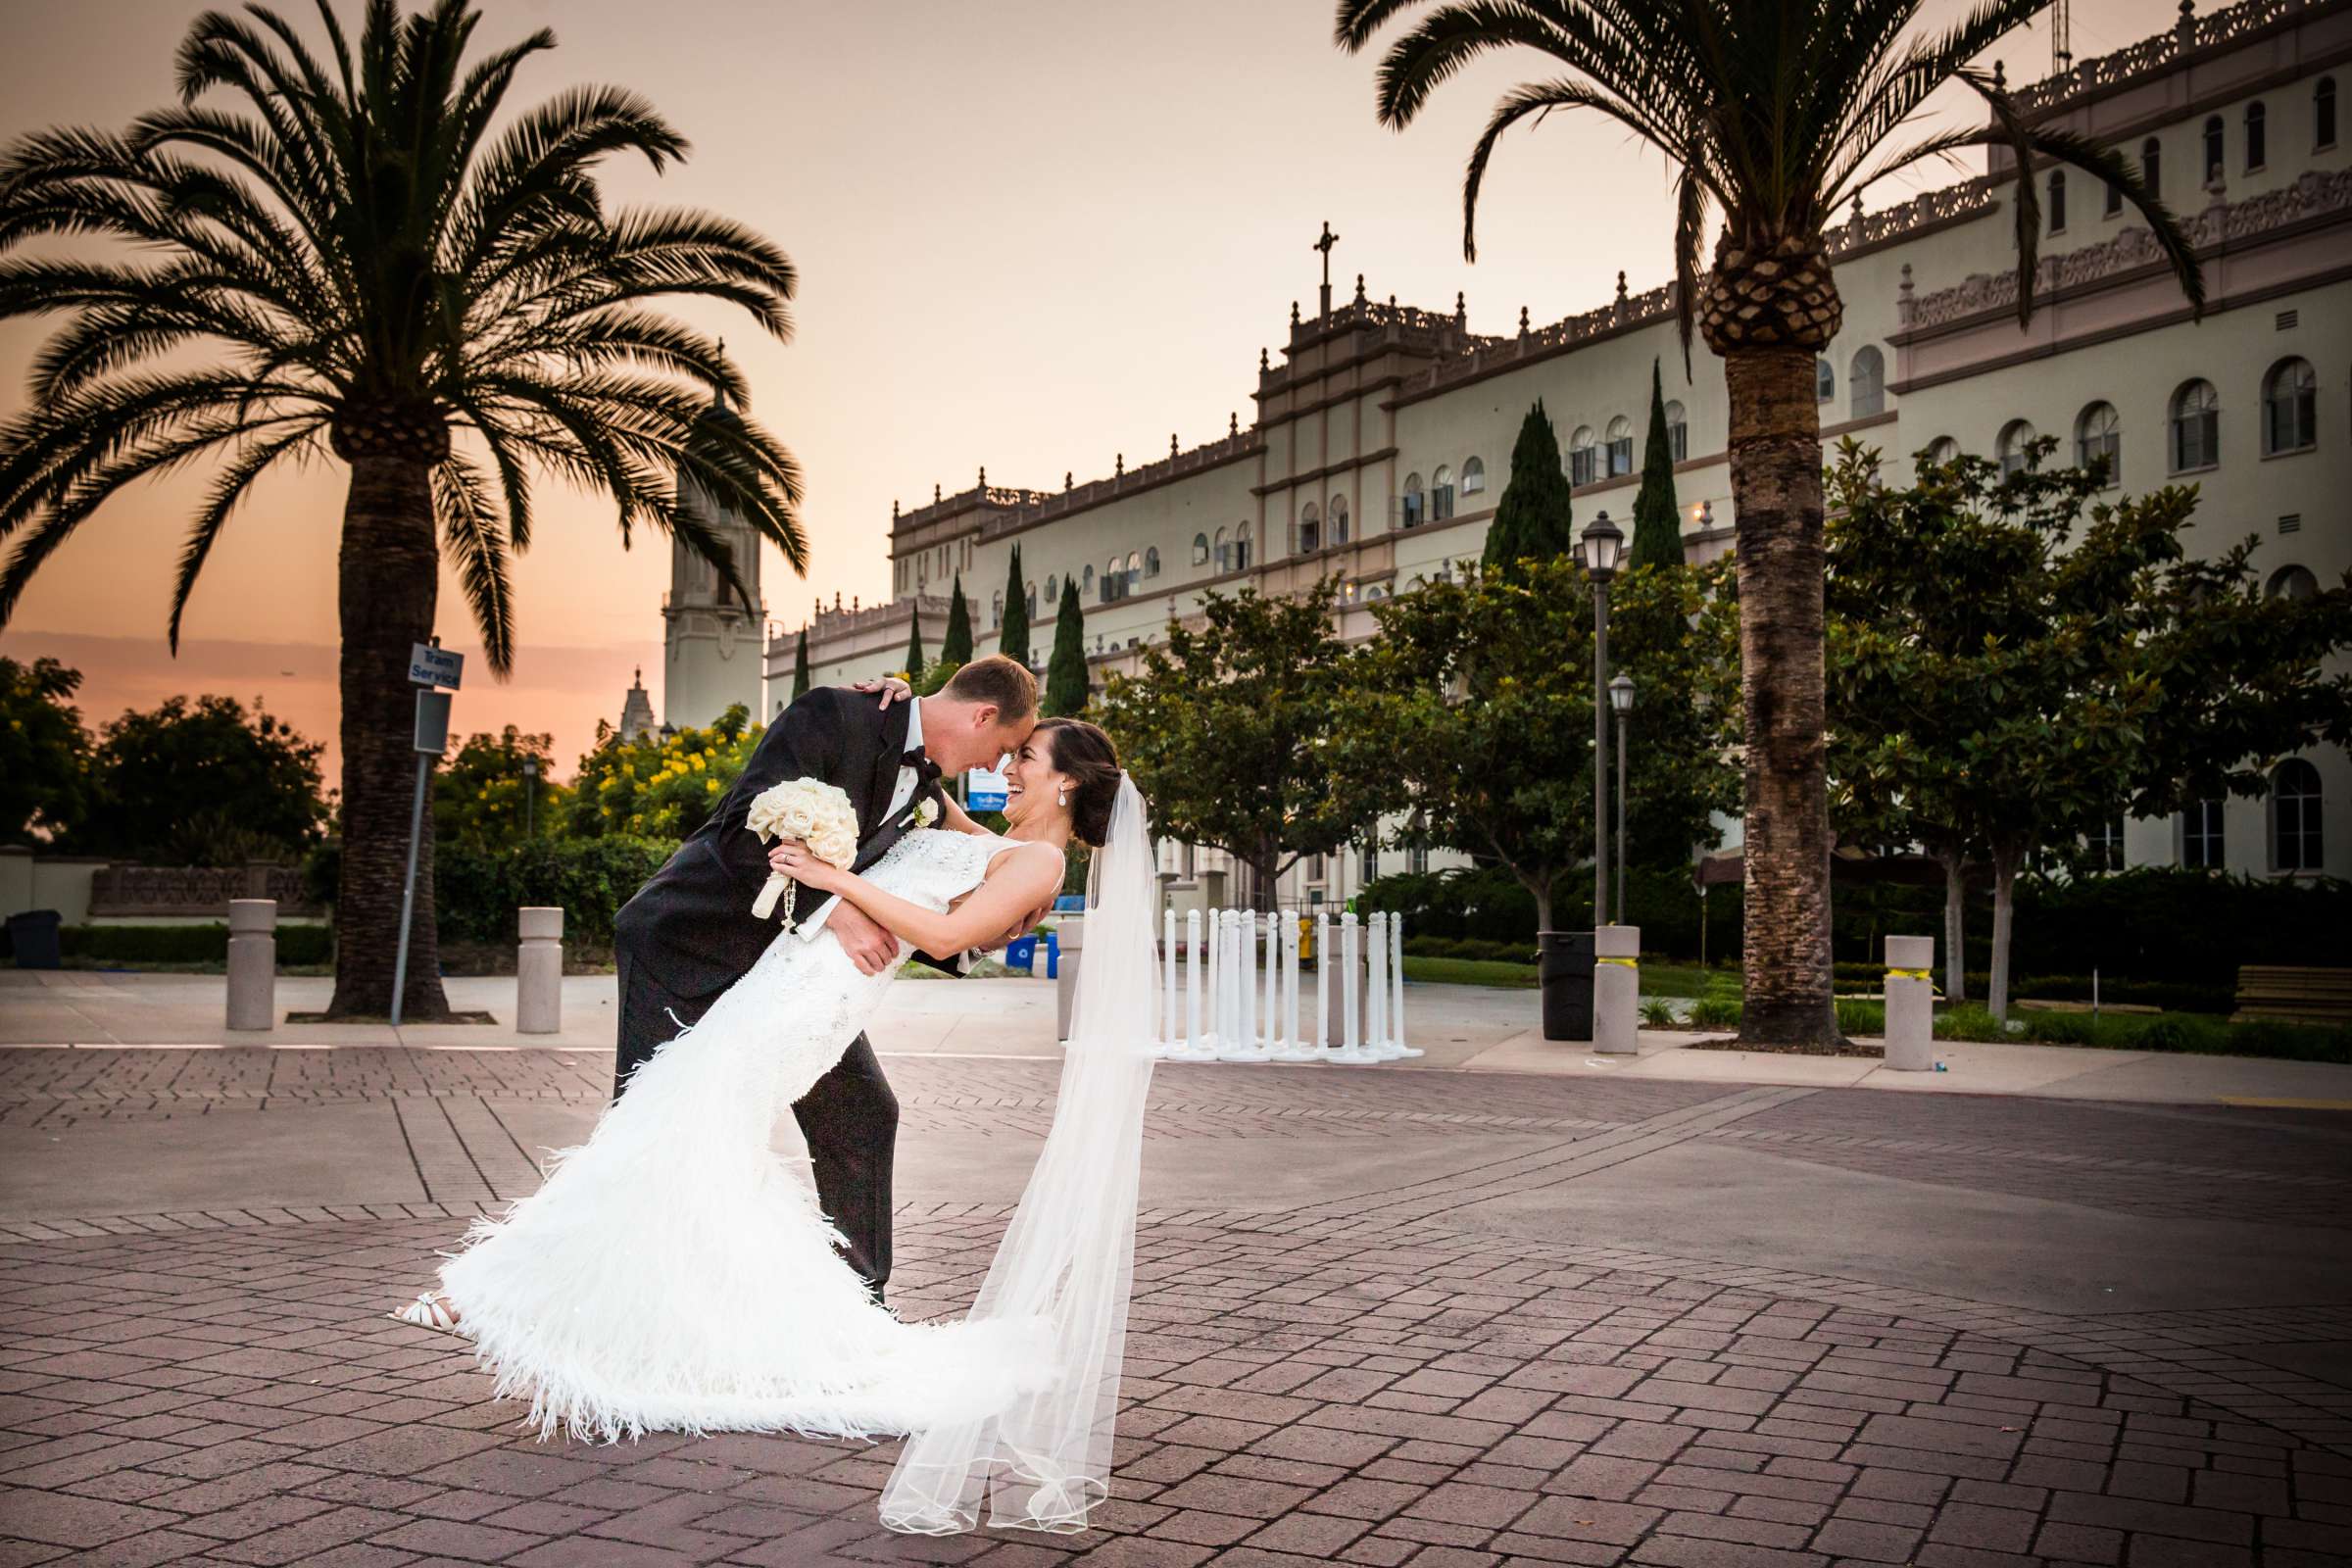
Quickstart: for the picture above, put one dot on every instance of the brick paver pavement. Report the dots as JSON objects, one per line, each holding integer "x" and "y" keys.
{"x": 1365, "y": 1378}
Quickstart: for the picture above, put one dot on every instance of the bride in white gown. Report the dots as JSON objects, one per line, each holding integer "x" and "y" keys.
{"x": 672, "y": 1274}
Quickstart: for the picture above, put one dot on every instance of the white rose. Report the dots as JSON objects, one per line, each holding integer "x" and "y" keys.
{"x": 926, "y": 813}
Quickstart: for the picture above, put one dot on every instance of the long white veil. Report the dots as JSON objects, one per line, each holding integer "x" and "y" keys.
{"x": 1070, "y": 1255}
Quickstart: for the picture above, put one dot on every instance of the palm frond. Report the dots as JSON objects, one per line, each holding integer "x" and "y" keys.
{"x": 470, "y": 529}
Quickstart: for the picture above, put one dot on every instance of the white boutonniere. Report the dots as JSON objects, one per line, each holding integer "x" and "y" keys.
{"x": 926, "y": 813}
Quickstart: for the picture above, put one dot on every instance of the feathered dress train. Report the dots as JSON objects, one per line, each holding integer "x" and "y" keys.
{"x": 672, "y": 1274}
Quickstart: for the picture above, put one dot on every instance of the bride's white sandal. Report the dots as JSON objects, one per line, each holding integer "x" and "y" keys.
{"x": 432, "y": 1311}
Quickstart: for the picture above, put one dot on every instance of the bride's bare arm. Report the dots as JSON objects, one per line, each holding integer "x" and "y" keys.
{"x": 1018, "y": 882}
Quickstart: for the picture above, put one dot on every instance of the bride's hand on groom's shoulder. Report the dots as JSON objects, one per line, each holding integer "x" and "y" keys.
{"x": 892, "y": 688}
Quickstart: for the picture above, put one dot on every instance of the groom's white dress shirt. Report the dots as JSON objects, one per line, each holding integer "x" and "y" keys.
{"x": 900, "y": 794}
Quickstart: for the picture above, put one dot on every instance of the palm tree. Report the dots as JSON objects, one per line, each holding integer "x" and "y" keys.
{"x": 1774, "y": 112}
{"x": 375, "y": 273}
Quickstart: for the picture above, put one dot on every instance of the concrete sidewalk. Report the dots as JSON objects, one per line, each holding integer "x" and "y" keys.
{"x": 1466, "y": 1028}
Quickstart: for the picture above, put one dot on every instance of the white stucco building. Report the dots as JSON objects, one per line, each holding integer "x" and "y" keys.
{"x": 711, "y": 646}
{"x": 1381, "y": 433}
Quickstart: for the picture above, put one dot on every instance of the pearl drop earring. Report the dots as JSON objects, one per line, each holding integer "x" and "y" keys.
{"x": 1061, "y": 795}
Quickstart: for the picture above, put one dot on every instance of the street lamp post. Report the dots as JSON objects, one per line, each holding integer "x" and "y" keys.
{"x": 530, "y": 795}
{"x": 1621, "y": 700}
{"x": 1599, "y": 545}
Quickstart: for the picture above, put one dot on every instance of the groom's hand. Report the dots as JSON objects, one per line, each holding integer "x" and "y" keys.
{"x": 869, "y": 947}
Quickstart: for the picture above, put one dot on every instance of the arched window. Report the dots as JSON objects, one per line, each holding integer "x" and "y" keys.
{"x": 1199, "y": 549}
{"x": 2099, "y": 438}
{"x": 2291, "y": 415}
{"x": 1310, "y": 530}
{"x": 1152, "y": 561}
{"x": 2057, "y": 201}
{"x": 1029, "y": 598}
{"x": 2201, "y": 836}
{"x": 1866, "y": 388}
{"x": 2197, "y": 427}
{"x": 1241, "y": 547}
{"x": 1086, "y": 583}
{"x": 1621, "y": 445}
{"x": 2151, "y": 165}
{"x": 1053, "y": 590}
{"x": 1440, "y": 494}
{"x": 2111, "y": 201}
{"x": 1409, "y": 505}
{"x": 1678, "y": 432}
{"x": 996, "y": 608}
{"x": 2015, "y": 448}
{"x": 1134, "y": 571}
{"x": 1224, "y": 553}
{"x": 2258, "y": 137}
{"x": 2295, "y": 816}
{"x": 1825, "y": 382}
{"x": 2214, "y": 157}
{"x": 1474, "y": 475}
{"x": 1942, "y": 450}
{"x": 1583, "y": 456}
{"x": 1115, "y": 581}
{"x": 1338, "y": 520}
{"x": 2293, "y": 582}
{"x": 2323, "y": 114}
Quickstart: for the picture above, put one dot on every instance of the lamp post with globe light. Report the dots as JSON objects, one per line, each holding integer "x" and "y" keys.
{"x": 1621, "y": 700}
{"x": 1599, "y": 545}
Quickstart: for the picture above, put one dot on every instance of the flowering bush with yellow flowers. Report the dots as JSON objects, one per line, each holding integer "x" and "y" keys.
{"x": 661, "y": 787}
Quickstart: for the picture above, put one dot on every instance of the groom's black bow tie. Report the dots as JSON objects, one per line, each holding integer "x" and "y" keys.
{"x": 926, "y": 771}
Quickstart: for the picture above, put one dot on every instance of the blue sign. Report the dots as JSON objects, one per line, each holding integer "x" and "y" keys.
{"x": 983, "y": 790}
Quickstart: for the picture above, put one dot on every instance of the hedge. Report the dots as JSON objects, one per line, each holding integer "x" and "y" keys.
{"x": 186, "y": 944}
{"x": 478, "y": 891}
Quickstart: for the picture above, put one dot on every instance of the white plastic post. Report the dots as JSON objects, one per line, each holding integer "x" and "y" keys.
{"x": 1616, "y": 990}
{"x": 1207, "y": 1045}
{"x": 1271, "y": 1035}
{"x": 252, "y": 963}
{"x": 1910, "y": 1004}
{"x": 1166, "y": 1044}
{"x": 539, "y": 971}
{"x": 1376, "y": 985}
{"x": 1323, "y": 961}
{"x": 1192, "y": 984}
{"x": 1396, "y": 1049}
{"x": 1352, "y": 1018}
{"x": 1245, "y": 1045}
{"x": 1294, "y": 1044}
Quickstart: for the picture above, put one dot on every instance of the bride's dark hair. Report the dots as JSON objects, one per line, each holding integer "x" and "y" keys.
{"x": 1082, "y": 753}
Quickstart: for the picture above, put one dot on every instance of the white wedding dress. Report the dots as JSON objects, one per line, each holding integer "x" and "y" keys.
{"x": 674, "y": 1274}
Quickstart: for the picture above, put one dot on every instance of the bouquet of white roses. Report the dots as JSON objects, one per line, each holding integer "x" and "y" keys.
{"x": 809, "y": 809}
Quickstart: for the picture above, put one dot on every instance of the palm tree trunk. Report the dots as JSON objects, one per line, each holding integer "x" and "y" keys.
{"x": 1776, "y": 487}
{"x": 389, "y": 579}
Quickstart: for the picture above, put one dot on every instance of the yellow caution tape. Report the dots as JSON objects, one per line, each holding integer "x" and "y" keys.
{"x": 1906, "y": 974}
{"x": 1628, "y": 963}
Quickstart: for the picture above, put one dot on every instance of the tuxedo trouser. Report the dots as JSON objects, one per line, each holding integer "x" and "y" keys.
{"x": 849, "y": 1118}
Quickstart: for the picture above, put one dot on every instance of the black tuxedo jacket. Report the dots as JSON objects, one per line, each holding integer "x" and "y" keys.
{"x": 692, "y": 921}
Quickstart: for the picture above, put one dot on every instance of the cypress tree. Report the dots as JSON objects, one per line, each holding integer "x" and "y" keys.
{"x": 1657, "y": 520}
{"x": 1533, "y": 521}
{"x": 914, "y": 645}
{"x": 1015, "y": 644}
{"x": 1065, "y": 672}
{"x": 800, "y": 666}
{"x": 955, "y": 647}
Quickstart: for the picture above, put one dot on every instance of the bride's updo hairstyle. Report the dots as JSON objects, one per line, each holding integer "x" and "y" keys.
{"x": 1083, "y": 754}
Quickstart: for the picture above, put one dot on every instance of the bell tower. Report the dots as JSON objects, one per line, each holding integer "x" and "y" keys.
{"x": 711, "y": 647}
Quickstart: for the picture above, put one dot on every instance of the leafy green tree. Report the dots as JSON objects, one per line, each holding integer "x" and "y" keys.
{"x": 1534, "y": 519}
{"x": 800, "y": 666}
{"x": 1065, "y": 673}
{"x": 661, "y": 789}
{"x": 1475, "y": 702}
{"x": 1015, "y": 642}
{"x": 365, "y": 251}
{"x": 1774, "y": 116}
{"x": 956, "y": 643}
{"x": 2014, "y": 665}
{"x": 484, "y": 798}
{"x": 914, "y": 646}
{"x": 203, "y": 783}
{"x": 1229, "y": 729}
{"x": 1657, "y": 520}
{"x": 44, "y": 752}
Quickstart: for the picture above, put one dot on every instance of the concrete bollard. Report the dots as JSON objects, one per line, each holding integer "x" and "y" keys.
{"x": 1070, "y": 935}
{"x": 1616, "y": 989}
{"x": 1910, "y": 1004}
{"x": 539, "y": 971}
{"x": 252, "y": 963}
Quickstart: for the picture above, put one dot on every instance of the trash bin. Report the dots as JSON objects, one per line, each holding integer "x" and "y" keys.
{"x": 1021, "y": 953}
{"x": 1564, "y": 968}
{"x": 33, "y": 936}
{"x": 1053, "y": 955}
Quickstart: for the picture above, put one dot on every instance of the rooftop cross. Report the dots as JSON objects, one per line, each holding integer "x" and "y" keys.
{"x": 1324, "y": 244}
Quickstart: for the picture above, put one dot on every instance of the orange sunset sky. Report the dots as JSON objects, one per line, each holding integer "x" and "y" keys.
{"x": 1031, "y": 234}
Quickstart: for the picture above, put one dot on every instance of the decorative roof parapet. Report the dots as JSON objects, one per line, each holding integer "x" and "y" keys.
{"x": 1039, "y": 505}
{"x": 2223, "y": 224}
{"x": 841, "y": 623}
{"x": 2158, "y": 52}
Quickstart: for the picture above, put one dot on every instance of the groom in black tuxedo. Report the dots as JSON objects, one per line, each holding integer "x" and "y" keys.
{"x": 689, "y": 933}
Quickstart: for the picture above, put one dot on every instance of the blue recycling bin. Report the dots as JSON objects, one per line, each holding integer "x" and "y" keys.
{"x": 34, "y": 938}
{"x": 1052, "y": 957}
{"x": 1021, "y": 953}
